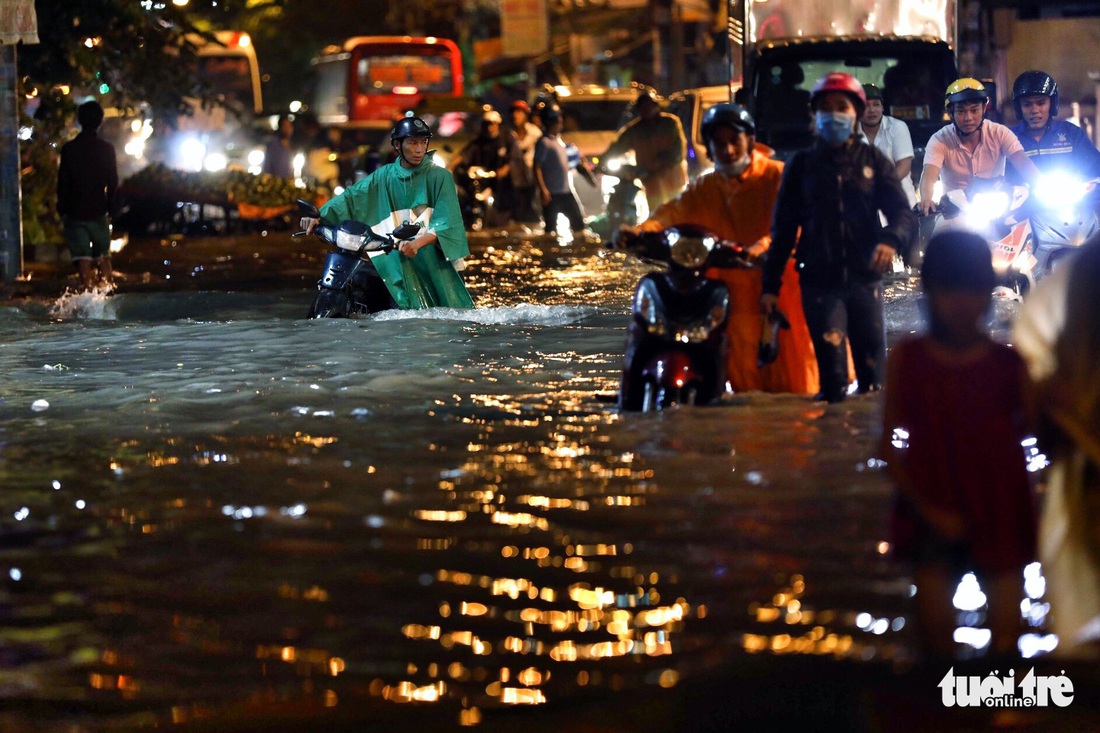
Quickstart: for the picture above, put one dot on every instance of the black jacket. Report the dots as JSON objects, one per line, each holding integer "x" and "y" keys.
{"x": 834, "y": 195}
{"x": 87, "y": 181}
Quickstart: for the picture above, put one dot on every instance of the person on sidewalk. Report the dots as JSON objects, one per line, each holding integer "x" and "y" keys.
{"x": 829, "y": 202}
{"x": 735, "y": 202}
{"x": 954, "y": 418}
{"x": 87, "y": 190}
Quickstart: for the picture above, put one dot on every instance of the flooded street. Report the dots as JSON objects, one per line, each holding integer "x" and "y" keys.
{"x": 214, "y": 510}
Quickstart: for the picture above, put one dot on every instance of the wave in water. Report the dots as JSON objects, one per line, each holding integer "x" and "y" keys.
{"x": 526, "y": 314}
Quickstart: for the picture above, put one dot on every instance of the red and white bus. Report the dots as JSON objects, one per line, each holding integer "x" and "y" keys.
{"x": 369, "y": 80}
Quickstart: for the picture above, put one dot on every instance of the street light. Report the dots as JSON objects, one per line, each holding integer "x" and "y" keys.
{"x": 180, "y": 3}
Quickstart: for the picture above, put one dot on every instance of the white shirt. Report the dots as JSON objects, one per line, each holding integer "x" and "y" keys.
{"x": 958, "y": 166}
{"x": 895, "y": 142}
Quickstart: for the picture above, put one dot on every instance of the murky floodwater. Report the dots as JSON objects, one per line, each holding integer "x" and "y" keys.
{"x": 208, "y": 502}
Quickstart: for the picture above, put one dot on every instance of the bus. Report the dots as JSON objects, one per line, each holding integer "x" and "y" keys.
{"x": 370, "y": 80}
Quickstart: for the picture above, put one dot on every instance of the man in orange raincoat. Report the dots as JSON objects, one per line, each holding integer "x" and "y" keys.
{"x": 735, "y": 201}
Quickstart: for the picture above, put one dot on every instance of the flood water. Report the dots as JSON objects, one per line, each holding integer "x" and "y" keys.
{"x": 209, "y": 504}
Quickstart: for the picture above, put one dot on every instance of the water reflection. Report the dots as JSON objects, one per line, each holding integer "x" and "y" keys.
{"x": 435, "y": 511}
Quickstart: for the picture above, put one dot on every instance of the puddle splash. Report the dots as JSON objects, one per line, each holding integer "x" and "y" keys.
{"x": 92, "y": 305}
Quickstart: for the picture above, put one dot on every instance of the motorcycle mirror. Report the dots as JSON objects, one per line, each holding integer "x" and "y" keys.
{"x": 406, "y": 231}
{"x": 309, "y": 209}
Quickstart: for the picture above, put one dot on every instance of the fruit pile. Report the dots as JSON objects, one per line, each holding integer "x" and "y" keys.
{"x": 215, "y": 187}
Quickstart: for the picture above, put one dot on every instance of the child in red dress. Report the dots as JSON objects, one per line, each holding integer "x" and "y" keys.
{"x": 953, "y": 424}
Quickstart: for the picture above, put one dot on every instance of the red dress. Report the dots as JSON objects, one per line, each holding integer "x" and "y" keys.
{"x": 965, "y": 423}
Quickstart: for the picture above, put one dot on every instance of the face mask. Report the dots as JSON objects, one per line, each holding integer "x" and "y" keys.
{"x": 734, "y": 169}
{"x": 834, "y": 127}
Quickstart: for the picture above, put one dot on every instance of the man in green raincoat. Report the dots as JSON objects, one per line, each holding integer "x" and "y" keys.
{"x": 422, "y": 272}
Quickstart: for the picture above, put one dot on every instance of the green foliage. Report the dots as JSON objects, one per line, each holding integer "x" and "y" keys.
{"x": 231, "y": 186}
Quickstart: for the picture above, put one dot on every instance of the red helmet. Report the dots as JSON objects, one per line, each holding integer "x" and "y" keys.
{"x": 839, "y": 82}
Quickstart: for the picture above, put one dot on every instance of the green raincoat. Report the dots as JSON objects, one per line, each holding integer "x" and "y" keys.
{"x": 393, "y": 195}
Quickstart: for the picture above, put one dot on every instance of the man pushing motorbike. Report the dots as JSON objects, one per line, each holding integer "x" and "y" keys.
{"x": 422, "y": 272}
{"x": 735, "y": 202}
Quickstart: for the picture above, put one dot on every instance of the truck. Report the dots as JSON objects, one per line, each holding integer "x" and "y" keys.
{"x": 779, "y": 48}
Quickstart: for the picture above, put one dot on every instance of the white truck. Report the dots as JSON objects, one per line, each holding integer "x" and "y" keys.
{"x": 779, "y": 48}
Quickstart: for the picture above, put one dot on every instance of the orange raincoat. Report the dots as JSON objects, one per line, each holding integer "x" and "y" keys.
{"x": 739, "y": 210}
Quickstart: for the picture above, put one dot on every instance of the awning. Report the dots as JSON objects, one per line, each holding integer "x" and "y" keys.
{"x": 18, "y": 22}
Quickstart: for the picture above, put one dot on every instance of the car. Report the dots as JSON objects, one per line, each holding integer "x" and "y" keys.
{"x": 690, "y": 105}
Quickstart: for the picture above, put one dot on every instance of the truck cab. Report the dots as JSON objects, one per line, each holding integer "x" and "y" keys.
{"x": 906, "y": 49}
{"x": 911, "y": 72}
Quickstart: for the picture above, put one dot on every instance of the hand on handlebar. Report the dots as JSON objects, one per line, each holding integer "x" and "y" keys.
{"x": 308, "y": 223}
{"x": 768, "y": 303}
{"x": 926, "y": 208}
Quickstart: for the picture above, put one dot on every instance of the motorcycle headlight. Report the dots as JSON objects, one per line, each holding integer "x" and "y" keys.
{"x": 1060, "y": 189}
{"x": 347, "y": 240}
{"x": 689, "y": 252}
{"x": 987, "y": 206}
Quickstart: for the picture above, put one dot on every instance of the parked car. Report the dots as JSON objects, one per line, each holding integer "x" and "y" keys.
{"x": 690, "y": 105}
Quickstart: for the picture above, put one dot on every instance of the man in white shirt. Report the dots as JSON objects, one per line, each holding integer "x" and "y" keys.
{"x": 891, "y": 136}
{"x": 971, "y": 146}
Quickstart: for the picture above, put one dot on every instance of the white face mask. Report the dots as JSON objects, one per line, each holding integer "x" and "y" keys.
{"x": 736, "y": 168}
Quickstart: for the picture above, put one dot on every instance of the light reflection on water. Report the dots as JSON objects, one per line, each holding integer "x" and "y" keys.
{"x": 225, "y": 503}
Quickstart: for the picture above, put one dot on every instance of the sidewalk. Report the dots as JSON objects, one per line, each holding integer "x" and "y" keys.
{"x": 258, "y": 261}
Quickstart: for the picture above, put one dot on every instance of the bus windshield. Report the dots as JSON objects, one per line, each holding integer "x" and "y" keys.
{"x": 230, "y": 77}
{"x": 391, "y": 73}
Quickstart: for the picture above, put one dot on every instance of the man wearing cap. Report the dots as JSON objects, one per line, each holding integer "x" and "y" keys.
{"x": 660, "y": 149}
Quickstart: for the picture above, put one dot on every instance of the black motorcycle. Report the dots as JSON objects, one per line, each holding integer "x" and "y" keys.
{"x": 350, "y": 284}
{"x": 676, "y": 343}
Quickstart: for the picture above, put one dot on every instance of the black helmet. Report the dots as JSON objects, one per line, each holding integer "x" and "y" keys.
{"x": 1034, "y": 82}
{"x": 645, "y": 95}
{"x": 410, "y": 127}
{"x": 549, "y": 113}
{"x": 726, "y": 113}
{"x": 872, "y": 92}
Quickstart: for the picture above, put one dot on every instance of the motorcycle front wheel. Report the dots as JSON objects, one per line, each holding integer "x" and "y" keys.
{"x": 658, "y": 397}
{"x": 330, "y": 304}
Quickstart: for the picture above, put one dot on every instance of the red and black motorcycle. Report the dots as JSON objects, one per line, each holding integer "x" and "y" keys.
{"x": 676, "y": 343}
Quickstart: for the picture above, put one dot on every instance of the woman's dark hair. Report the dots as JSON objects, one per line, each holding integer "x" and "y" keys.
{"x": 958, "y": 260}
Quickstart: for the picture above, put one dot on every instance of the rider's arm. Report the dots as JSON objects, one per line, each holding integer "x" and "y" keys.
{"x": 1024, "y": 166}
{"x": 929, "y": 176}
{"x": 786, "y": 218}
{"x": 903, "y": 167}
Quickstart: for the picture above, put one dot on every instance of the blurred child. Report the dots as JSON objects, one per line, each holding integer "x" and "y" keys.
{"x": 954, "y": 420}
